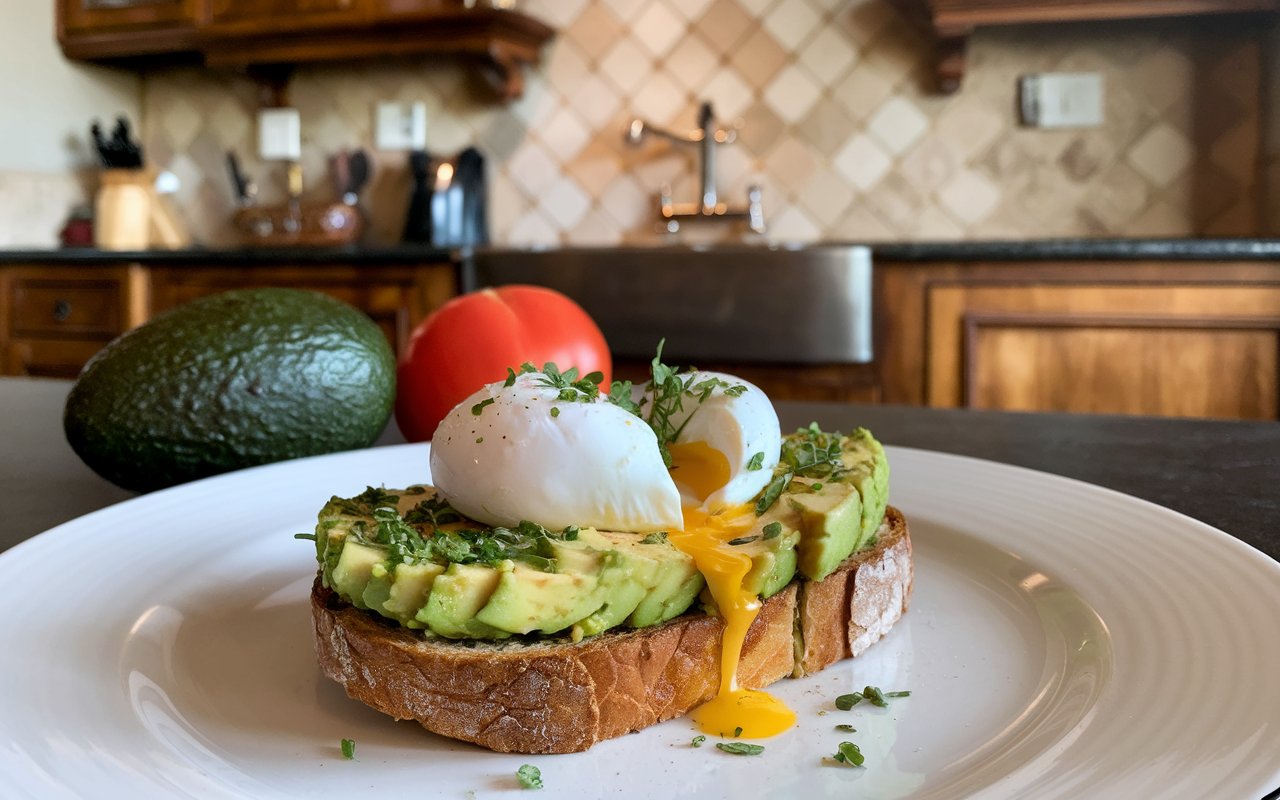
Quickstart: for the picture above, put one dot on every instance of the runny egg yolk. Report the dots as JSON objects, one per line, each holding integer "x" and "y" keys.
{"x": 700, "y": 470}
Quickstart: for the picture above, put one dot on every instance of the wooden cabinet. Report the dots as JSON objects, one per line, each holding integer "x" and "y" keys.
{"x": 1197, "y": 340}
{"x": 105, "y": 15}
{"x": 53, "y": 319}
{"x": 275, "y": 34}
{"x": 256, "y": 15}
{"x": 396, "y": 298}
{"x": 56, "y": 318}
{"x": 112, "y": 28}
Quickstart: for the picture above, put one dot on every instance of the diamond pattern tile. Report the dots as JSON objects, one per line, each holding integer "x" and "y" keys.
{"x": 837, "y": 124}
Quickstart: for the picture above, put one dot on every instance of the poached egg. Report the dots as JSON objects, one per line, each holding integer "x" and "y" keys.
{"x": 518, "y": 450}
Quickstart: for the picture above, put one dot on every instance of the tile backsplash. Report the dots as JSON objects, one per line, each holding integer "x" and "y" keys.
{"x": 838, "y": 123}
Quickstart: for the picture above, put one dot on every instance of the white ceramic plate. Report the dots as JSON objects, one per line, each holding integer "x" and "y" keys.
{"x": 1064, "y": 641}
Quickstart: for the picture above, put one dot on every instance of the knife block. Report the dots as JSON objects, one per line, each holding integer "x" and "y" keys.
{"x": 130, "y": 215}
{"x": 305, "y": 225}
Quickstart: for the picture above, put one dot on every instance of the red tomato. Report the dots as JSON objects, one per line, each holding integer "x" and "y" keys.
{"x": 472, "y": 339}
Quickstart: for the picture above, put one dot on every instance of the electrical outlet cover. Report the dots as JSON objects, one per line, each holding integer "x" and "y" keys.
{"x": 400, "y": 126}
{"x": 279, "y": 134}
{"x": 1062, "y": 100}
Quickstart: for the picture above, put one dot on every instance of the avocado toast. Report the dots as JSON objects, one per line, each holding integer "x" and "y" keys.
{"x": 532, "y": 640}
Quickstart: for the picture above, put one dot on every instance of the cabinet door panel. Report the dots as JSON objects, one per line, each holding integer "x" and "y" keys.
{"x": 1177, "y": 350}
{"x": 1177, "y": 371}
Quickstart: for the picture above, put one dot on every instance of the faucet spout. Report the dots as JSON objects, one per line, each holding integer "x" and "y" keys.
{"x": 705, "y": 137}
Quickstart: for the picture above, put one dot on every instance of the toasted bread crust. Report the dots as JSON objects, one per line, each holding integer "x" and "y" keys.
{"x": 561, "y": 697}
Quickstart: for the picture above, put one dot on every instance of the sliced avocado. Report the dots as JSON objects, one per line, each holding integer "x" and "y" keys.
{"x": 354, "y": 568}
{"x": 456, "y": 595}
{"x": 625, "y": 587}
{"x": 528, "y": 599}
{"x": 410, "y": 591}
{"x": 671, "y": 587}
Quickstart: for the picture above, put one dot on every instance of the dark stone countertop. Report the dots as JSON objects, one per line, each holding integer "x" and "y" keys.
{"x": 1082, "y": 250}
{"x": 883, "y": 252}
{"x": 235, "y": 257}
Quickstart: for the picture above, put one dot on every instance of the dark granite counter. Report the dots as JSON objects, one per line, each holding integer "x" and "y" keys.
{"x": 234, "y": 257}
{"x": 884, "y": 253}
{"x": 1083, "y": 250}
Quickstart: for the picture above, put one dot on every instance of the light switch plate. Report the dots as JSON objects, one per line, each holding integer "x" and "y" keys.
{"x": 279, "y": 134}
{"x": 400, "y": 126}
{"x": 1061, "y": 100}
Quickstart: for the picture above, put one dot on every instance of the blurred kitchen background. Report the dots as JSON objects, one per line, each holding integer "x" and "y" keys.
{"x": 1060, "y": 205}
{"x": 840, "y": 124}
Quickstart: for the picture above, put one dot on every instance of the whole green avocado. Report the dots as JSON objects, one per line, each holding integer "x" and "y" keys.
{"x": 230, "y": 381}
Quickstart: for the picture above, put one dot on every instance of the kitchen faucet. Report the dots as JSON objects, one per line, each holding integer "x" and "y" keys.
{"x": 706, "y": 136}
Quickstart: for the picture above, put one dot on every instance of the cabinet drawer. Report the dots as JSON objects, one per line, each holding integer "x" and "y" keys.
{"x": 43, "y": 307}
{"x": 51, "y": 358}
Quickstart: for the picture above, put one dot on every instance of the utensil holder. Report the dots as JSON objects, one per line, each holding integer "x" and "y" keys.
{"x": 130, "y": 215}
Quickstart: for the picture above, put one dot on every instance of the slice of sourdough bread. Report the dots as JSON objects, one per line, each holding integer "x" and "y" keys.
{"x": 556, "y": 696}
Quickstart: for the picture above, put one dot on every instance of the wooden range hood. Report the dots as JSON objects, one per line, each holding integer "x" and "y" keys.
{"x": 954, "y": 20}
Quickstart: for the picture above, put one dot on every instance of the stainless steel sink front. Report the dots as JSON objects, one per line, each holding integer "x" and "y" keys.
{"x": 744, "y": 304}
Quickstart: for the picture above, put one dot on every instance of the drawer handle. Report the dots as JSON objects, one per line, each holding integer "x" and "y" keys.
{"x": 61, "y": 310}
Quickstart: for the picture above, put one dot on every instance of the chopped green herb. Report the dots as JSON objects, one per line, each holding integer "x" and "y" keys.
{"x": 846, "y": 729}
{"x": 742, "y": 540}
{"x": 572, "y": 388}
{"x": 530, "y": 777}
{"x": 657, "y": 537}
{"x": 897, "y": 694}
{"x": 737, "y": 731}
{"x": 620, "y": 396}
{"x": 666, "y": 392}
{"x": 875, "y": 697}
{"x": 772, "y": 492}
{"x": 813, "y": 453}
{"x": 740, "y": 748}
{"x": 310, "y": 536}
{"x": 849, "y": 754}
{"x": 698, "y": 740}
{"x": 348, "y": 749}
{"x": 555, "y": 411}
{"x": 816, "y": 486}
{"x": 847, "y": 701}
{"x": 479, "y": 439}
{"x": 479, "y": 408}
{"x": 756, "y": 462}
{"x": 772, "y": 530}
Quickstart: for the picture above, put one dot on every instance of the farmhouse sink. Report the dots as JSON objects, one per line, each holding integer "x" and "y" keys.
{"x": 728, "y": 304}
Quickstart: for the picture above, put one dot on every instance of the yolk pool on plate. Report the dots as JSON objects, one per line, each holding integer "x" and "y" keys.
{"x": 702, "y": 470}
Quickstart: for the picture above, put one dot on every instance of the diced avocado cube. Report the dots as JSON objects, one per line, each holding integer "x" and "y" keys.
{"x": 831, "y": 525}
{"x": 353, "y": 570}
{"x": 457, "y": 594}
{"x": 773, "y": 560}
